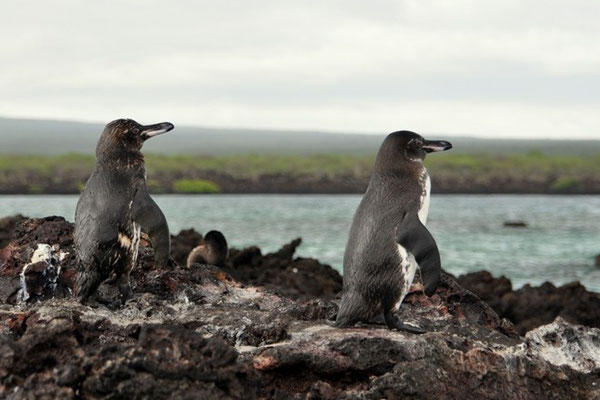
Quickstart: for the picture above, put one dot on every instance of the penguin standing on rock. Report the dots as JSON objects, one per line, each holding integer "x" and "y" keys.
{"x": 115, "y": 208}
{"x": 388, "y": 238}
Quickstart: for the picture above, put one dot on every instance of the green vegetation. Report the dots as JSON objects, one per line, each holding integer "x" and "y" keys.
{"x": 35, "y": 189}
{"x": 251, "y": 166}
{"x": 195, "y": 186}
{"x": 452, "y": 172}
{"x": 565, "y": 183}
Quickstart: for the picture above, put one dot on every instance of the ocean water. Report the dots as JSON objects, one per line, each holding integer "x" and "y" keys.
{"x": 559, "y": 244}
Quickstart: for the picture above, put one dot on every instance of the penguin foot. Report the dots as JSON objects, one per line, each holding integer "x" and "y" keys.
{"x": 109, "y": 302}
{"x": 124, "y": 290}
{"x": 378, "y": 320}
{"x": 393, "y": 322}
{"x": 126, "y": 293}
{"x": 409, "y": 328}
{"x": 171, "y": 263}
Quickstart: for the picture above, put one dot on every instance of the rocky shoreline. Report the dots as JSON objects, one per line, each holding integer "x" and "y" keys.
{"x": 261, "y": 328}
{"x": 284, "y": 184}
{"x": 279, "y": 183}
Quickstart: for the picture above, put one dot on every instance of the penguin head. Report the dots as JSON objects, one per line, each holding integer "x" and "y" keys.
{"x": 126, "y": 135}
{"x": 218, "y": 246}
{"x": 406, "y": 147}
{"x": 213, "y": 250}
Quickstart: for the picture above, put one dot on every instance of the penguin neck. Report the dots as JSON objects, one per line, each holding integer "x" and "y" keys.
{"x": 217, "y": 252}
{"x": 410, "y": 180}
{"x": 199, "y": 255}
{"x": 413, "y": 168}
{"x": 120, "y": 159}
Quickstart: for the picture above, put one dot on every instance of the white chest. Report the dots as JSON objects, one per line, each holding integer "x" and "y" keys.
{"x": 408, "y": 268}
{"x": 425, "y": 196}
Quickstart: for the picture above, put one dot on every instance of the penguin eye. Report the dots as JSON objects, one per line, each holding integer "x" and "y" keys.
{"x": 414, "y": 145}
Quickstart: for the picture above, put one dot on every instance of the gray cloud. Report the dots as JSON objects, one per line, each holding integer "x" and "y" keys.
{"x": 501, "y": 68}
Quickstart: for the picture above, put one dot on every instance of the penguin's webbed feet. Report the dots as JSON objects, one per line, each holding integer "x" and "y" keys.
{"x": 126, "y": 294}
{"x": 124, "y": 289}
{"x": 393, "y": 322}
{"x": 171, "y": 263}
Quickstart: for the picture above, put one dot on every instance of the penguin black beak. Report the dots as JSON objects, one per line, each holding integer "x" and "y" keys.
{"x": 436, "y": 145}
{"x": 156, "y": 129}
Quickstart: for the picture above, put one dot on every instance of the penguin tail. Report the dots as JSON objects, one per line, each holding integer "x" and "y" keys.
{"x": 87, "y": 283}
{"x": 342, "y": 320}
{"x": 353, "y": 309}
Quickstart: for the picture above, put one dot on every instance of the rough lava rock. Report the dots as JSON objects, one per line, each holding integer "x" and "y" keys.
{"x": 296, "y": 278}
{"x": 198, "y": 333}
{"x": 530, "y": 307}
{"x": 183, "y": 243}
{"x": 7, "y": 228}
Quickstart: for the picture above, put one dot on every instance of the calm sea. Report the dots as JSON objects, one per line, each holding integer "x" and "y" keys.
{"x": 559, "y": 244}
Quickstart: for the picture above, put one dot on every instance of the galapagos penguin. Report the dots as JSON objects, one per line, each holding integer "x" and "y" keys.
{"x": 388, "y": 238}
{"x": 213, "y": 250}
{"x": 115, "y": 208}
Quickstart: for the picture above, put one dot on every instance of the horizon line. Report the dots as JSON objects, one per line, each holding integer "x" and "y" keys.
{"x": 292, "y": 130}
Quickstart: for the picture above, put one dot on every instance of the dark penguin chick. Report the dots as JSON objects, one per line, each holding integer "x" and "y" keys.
{"x": 115, "y": 208}
{"x": 388, "y": 238}
{"x": 213, "y": 250}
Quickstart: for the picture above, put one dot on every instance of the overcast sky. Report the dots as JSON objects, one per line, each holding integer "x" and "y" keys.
{"x": 502, "y": 68}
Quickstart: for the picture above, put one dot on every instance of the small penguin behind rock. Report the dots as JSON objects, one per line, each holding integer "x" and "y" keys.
{"x": 213, "y": 250}
{"x": 388, "y": 238}
{"x": 115, "y": 208}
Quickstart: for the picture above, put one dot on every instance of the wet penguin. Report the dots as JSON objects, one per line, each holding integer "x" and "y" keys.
{"x": 115, "y": 208}
{"x": 213, "y": 250}
{"x": 388, "y": 238}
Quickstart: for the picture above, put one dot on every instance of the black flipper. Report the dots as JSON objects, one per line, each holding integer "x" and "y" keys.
{"x": 415, "y": 238}
{"x": 146, "y": 213}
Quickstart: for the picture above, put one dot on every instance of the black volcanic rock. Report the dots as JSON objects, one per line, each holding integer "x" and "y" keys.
{"x": 7, "y": 228}
{"x": 183, "y": 243}
{"x": 530, "y": 307}
{"x": 199, "y": 333}
{"x": 295, "y": 278}
{"x": 515, "y": 224}
{"x": 488, "y": 288}
{"x": 41, "y": 278}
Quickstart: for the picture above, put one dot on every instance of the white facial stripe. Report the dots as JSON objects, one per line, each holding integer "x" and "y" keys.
{"x": 155, "y": 133}
{"x": 434, "y": 148}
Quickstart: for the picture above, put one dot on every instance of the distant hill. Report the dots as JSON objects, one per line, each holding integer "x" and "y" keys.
{"x": 26, "y": 136}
